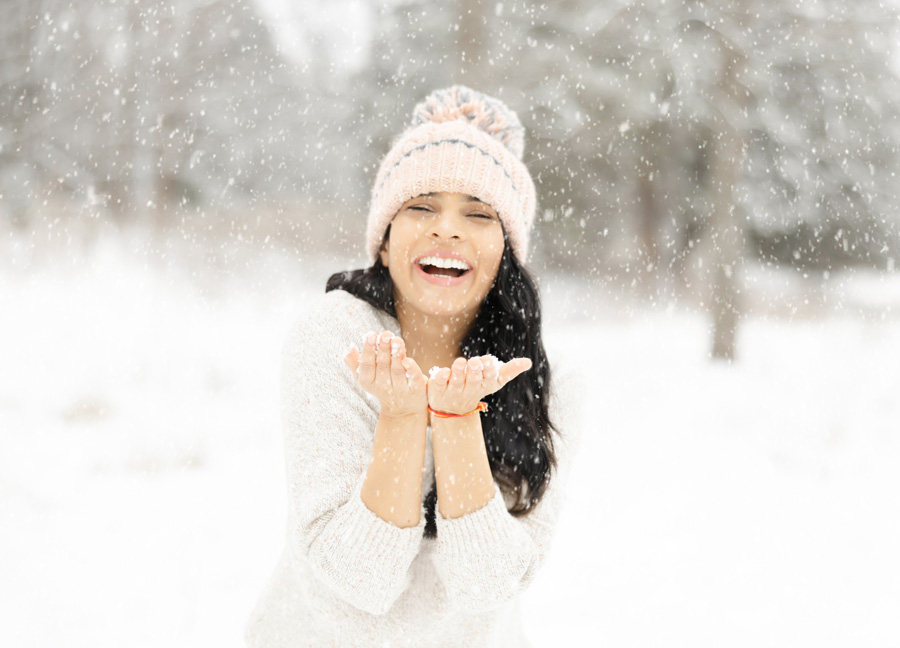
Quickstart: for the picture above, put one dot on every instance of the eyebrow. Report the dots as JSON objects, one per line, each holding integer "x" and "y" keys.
{"x": 468, "y": 199}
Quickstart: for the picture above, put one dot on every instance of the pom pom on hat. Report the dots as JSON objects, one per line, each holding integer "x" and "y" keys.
{"x": 460, "y": 141}
{"x": 481, "y": 111}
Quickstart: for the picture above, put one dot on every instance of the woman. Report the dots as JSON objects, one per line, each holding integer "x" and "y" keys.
{"x": 367, "y": 562}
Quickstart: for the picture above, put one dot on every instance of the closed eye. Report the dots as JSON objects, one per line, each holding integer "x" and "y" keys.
{"x": 480, "y": 215}
{"x": 421, "y": 208}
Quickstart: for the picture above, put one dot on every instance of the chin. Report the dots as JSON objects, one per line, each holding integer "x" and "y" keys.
{"x": 437, "y": 304}
{"x": 444, "y": 310}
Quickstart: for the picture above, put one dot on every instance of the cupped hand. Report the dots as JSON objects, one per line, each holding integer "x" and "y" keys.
{"x": 384, "y": 370}
{"x": 459, "y": 389}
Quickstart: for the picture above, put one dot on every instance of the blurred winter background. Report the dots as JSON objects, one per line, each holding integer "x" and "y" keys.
{"x": 717, "y": 244}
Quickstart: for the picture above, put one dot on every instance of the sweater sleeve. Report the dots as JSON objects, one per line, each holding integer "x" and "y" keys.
{"x": 487, "y": 557}
{"x": 329, "y": 425}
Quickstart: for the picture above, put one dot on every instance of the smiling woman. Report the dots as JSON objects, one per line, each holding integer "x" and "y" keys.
{"x": 421, "y": 506}
{"x": 437, "y": 241}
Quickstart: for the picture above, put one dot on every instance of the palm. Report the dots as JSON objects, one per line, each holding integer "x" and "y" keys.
{"x": 459, "y": 389}
{"x": 384, "y": 370}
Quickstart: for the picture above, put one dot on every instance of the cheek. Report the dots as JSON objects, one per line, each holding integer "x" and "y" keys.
{"x": 400, "y": 257}
{"x": 490, "y": 267}
{"x": 403, "y": 235}
{"x": 494, "y": 253}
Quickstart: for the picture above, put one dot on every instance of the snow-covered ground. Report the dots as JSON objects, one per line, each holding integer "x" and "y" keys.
{"x": 141, "y": 471}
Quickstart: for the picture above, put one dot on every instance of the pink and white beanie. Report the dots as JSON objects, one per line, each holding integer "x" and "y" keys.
{"x": 460, "y": 141}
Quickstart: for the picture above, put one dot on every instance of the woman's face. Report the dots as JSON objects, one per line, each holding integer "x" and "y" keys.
{"x": 443, "y": 252}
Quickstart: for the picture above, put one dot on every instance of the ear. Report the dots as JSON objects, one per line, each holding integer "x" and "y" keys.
{"x": 384, "y": 252}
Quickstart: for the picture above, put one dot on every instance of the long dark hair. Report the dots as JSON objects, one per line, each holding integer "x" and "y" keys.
{"x": 517, "y": 425}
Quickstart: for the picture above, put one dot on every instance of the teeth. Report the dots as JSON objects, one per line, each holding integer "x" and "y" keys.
{"x": 444, "y": 263}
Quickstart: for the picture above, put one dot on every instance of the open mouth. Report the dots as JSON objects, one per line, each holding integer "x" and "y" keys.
{"x": 440, "y": 267}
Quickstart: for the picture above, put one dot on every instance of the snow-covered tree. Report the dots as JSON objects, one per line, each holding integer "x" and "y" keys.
{"x": 674, "y": 131}
{"x": 147, "y": 107}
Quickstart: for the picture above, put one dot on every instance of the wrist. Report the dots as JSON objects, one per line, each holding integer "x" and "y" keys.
{"x": 404, "y": 416}
{"x": 458, "y": 412}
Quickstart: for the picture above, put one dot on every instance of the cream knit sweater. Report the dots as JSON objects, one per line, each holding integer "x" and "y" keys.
{"x": 349, "y": 578}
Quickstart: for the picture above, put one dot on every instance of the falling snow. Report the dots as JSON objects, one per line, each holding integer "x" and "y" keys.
{"x": 716, "y": 245}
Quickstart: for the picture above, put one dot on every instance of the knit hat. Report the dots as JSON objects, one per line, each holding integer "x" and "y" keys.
{"x": 460, "y": 141}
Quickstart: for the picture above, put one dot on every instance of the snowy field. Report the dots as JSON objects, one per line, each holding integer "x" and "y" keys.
{"x": 142, "y": 488}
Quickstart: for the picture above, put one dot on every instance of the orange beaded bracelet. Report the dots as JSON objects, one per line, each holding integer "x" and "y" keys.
{"x": 482, "y": 407}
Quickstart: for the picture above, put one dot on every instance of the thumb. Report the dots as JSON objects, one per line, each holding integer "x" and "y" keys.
{"x": 513, "y": 368}
{"x": 351, "y": 359}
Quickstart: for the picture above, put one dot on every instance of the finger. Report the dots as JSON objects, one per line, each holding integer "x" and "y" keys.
{"x": 474, "y": 372}
{"x": 351, "y": 359}
{"x": 437, "y": 379}
{"x": 457, "y": 374}
{"x": 491, "y": 369}
{"x": 383, "y": 359}
{"x": 398, "y": 353}
{"x": 398, "y": 347}
{"x": 367, "y": 360}
{"x": 513, "y": 368}
{"x": 413, "y": 373}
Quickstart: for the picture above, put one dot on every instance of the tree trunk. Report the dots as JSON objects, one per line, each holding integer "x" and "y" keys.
{"x": 726, "y": 236}
{"x": 650, "y": 213}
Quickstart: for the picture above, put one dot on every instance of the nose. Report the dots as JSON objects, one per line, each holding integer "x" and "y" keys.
{"x": 445, "y": 226}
